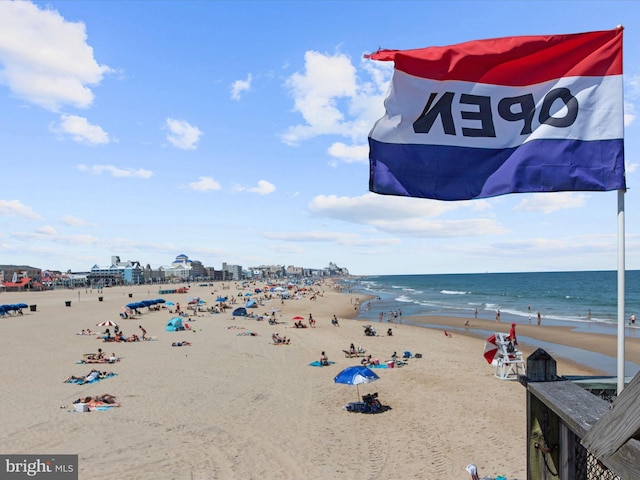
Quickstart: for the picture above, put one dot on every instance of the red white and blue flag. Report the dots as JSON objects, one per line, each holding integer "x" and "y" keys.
{"x": 506, "y": 115}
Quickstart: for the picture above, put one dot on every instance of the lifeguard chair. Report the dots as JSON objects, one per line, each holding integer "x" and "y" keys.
{"x": 508, "y": 360}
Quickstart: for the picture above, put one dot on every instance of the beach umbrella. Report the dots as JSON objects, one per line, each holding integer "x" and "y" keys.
{"x": 490, "y": 348}
{"x": 169, "y": 304}
{"x": 22, "y": 305}
{"x": 221, "y": 299}
{"x": 161, "y": 300}
{"x": 108, "y": 323}
{"x": 133, "y": 305}
{"x": 248, "y": 294}
{"x": 355, "y": 375}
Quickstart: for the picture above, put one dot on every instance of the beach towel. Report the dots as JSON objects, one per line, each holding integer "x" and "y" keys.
{"x": 382, "y": 365}
{"x": 318, "y": 364}
{"x": 80, "y": 382}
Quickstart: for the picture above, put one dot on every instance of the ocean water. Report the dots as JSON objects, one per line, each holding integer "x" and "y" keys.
{"x": 574, "y": 298}
{"x": 586, "y": 301}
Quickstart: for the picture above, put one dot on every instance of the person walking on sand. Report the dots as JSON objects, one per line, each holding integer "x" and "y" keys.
{"x": 498, "y": 316}
{"x": 144, "y": 332}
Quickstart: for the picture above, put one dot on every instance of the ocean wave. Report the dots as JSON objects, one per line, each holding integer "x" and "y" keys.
{"x": 453, "y": 292}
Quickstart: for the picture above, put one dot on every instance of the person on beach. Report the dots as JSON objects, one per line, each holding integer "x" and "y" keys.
{"x": 324, "y": 360}
{"x": 632, "y": 319}
{"x": 498, "y": 316}
{"x": 366, "y": 361}
{"x": 475, "y": 314}
{"x": 144, "y": 332}
{"x": 540, "y": 317}
{"x": 512, "y": 334}
{"x": 334, "y": 321}
{"x": 93, "y": 375}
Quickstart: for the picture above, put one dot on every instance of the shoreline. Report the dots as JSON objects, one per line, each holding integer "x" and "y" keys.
{"x": 552, "y": 338}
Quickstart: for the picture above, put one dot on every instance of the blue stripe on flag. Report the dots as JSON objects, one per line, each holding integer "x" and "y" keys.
{"x": 463, "y": 173}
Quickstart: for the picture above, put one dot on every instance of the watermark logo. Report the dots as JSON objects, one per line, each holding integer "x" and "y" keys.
{"x": 50, "y": 467}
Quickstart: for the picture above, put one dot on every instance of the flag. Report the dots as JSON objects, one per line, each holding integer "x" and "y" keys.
{"x": 498, "y": 116}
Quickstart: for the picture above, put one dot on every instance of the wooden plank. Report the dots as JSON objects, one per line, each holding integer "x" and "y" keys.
{"x": 576, "y": 407}
{"x": 626, "y": 461}
{"x": 616, "y": 426}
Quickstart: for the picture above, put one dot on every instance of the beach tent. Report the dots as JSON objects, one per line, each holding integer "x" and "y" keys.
{"x": 240, "y": 312}
{"x": 174, "y": 324}
{"x": 251, "y": 304}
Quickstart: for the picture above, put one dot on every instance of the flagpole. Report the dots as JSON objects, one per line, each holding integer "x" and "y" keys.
{"x": 621, "y": 290}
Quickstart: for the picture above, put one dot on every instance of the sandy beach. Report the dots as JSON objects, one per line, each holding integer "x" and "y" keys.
{"x": 235, "y": 406}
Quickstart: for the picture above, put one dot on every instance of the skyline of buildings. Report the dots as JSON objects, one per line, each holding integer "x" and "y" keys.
{"x": 131, "y": 272}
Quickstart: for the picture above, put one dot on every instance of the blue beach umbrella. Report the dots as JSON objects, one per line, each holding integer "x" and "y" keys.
{"x": 23, "y": 305}
{"x": 355, "y": 375}
{"x": 221, "y": 299}
{"x": 169, "y": 304}
{"x": 160, "y": 300}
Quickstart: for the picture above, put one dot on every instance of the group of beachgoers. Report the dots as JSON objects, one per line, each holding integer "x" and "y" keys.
{"x": 104, "y": 400}
{"x": 278, "y": 340}
{"x": 119, "y": 336}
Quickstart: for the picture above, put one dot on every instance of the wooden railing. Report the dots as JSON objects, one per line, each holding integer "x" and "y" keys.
{"x": 576, "y": 435}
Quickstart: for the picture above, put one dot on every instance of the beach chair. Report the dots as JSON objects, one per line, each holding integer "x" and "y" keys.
{"x": 509, "y": 361}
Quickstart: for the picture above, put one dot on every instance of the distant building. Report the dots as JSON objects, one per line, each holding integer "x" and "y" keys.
{"x": 234, "y": 271}
{"x": 20, "y": 277}
{"x": 118, "y": 273}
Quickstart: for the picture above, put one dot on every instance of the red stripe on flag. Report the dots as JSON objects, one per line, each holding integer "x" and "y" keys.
{"x": 515, "y": 61}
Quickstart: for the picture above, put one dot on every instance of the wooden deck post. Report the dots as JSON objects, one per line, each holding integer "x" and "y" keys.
{"x": 543, "y": 427}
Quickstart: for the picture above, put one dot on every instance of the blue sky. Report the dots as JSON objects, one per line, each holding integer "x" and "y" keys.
{"x": 237, "y": 132}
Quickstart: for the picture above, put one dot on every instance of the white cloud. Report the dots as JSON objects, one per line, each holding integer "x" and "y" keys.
{"x": 15, "y": 208}
{"x": 333, "y": 100}
{"x": 81, "y": 130}
{"x": 240, "y": 86}
{"x": 46, "y": 60}
{"x": 407, "y": 216}
{"x": 72, "y": 221}
{"x": 341, "y": 238}
{"x": 422, "y": 228}
{"x": 263, "y": 188}
{"x": 182, "y": 134}
{"x": 369, "y": 207}
{"x": 46, "y": 230}
{"x": 350, "y": 154}
{"x": 551, "y": 202}
{"x": 204, "y": 184}
{"x": 115, "y": 171}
